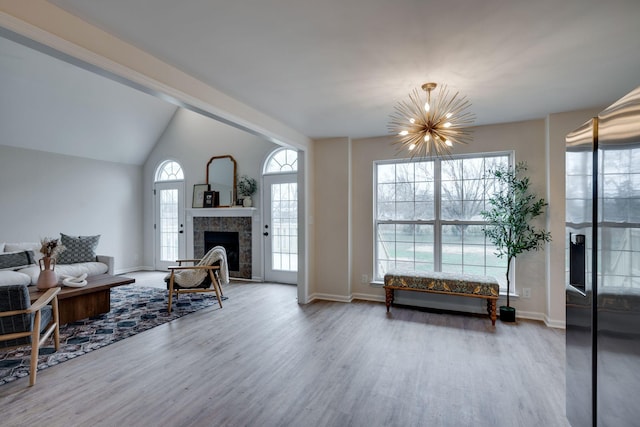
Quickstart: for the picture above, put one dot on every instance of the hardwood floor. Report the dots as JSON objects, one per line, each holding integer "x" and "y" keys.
{"x": 264, "y": 360}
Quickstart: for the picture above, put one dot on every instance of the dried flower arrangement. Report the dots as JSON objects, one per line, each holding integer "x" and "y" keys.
{"x": 51, "y": 247}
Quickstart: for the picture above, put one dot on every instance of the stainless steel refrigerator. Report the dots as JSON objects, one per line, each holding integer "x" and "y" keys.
{"x": 603, "y": 268}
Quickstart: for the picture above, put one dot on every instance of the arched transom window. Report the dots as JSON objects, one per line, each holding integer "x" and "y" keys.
{"x": 282, "y": 160}
{"x": 169, "y": 171}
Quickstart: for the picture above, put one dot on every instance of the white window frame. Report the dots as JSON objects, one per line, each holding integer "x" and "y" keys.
{"x": 437, "y": 222}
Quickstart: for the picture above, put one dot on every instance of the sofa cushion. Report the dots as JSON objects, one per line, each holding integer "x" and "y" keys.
{"x": 25, "y": 246}
{"x": 15, "y": 260}
{"x": 78, "y": 249}
{"x": 75, "y": 270}
{"x": 14, "y": 278}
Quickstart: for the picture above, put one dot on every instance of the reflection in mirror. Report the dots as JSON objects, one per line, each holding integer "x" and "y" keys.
{"x": 221, "y": 177}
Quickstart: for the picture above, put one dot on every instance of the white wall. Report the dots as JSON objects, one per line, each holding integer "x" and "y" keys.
{"x": 44, "y": 194}
{"x": 351, "y": 222}
{"x": 192, "y": 139}
{"x": 558, "y": 126}
{"x": 332, "y": 245}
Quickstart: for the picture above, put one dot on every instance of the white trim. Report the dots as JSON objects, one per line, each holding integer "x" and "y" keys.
{"x": 368, "y": 297}
{"x": 215, "y": 212}
{"x": 559, "y": 324}
{"x": 329, "y": 297}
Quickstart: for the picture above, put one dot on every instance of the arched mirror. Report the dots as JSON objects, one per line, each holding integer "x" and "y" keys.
{"x": 221, "y": 177}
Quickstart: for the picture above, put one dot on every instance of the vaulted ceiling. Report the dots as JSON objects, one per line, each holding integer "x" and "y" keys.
{"x": 337, "y": 67}
{"x": 51, "y": 105}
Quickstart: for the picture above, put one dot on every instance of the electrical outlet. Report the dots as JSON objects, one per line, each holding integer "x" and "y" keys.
{"x": 364, "y": 278}
{"x": 526, "y": 292}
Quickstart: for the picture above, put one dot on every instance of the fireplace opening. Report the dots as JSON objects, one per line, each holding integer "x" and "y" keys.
{"x": 230, "y": 241}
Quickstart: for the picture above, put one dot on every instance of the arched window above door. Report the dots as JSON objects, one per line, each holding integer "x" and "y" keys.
{"x": 169, "y": 170}
{"x": 282, "y": 160}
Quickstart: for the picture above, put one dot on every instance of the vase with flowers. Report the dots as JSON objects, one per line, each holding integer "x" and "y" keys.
{"x": 50, "y": 249}
{"x": 247, "y": 187}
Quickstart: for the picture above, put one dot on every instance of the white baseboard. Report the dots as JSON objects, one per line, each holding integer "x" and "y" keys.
{"x": 368, "y": 297}
{"x": 552, "y": 323}
{"x": 329, "y": 297}
{"x": 474, "y": 306}
{"x": 131, "y": 269}
{"x": 530, "y": 315}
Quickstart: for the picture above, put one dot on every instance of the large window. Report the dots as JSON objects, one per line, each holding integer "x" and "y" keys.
{"x": 427, "y": 215}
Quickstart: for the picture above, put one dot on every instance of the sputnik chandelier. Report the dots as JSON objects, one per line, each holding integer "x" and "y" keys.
{"x": 427, "y": 128}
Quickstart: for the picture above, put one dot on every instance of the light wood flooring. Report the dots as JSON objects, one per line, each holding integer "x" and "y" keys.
{"x": 263, "y": 360}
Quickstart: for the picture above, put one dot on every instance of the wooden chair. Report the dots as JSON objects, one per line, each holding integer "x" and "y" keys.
{"x": 23, "y": 323}
{"x": 209, "y": 284}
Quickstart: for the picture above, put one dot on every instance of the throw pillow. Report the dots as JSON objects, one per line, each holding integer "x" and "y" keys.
{"x": 78, "y": 249}
{"x": 15, "y": 260}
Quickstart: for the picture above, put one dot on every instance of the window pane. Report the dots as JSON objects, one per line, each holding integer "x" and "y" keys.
{"x": 282, "y": 160}
{"x": 405, "y": 246}
{"x": 284, "y": 227}
{"x": 169, "y": 220}
{"x": 169, "y": 171}
{"x": 405, "y": 191}
{"x": 405, "y": 201}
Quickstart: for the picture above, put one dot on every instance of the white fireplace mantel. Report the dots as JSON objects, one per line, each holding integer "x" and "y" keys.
{"x": 215, "y": 212}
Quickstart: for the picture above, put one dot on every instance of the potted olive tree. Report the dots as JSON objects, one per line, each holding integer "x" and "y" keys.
{"x": 511, "y": 208}
{"x": 247, "y": 187}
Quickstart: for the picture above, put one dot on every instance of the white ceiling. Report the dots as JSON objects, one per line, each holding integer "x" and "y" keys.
{"x": 324, "y": 67}
{"x": 337, "y": 67}
{"x": 51, "y": 105}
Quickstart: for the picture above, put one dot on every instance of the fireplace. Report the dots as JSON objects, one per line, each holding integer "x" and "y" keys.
{"x": 234, "y": 234}
{"x": 229, "y": 241}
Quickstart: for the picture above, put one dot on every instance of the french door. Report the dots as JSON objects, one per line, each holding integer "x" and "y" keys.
{"x": 169, "y": 223}
{"x": 280, "y": 213}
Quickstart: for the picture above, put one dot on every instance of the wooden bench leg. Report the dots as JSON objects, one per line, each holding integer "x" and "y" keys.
{"x": 491, "y": 309}
{"x": 388, "y": 297}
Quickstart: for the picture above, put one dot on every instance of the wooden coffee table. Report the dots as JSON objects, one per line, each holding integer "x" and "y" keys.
{"x": 87, "y": 301}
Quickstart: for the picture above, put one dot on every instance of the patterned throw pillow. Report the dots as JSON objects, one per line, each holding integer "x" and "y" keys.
{"x": 78, "y": 249}
{"x": 15, "y": 260}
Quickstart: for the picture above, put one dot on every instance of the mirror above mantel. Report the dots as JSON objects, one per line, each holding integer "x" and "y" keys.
{"x": 221, "y": 177}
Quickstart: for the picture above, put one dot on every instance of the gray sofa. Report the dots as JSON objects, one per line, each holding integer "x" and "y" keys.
{"x": 19, "y": 264}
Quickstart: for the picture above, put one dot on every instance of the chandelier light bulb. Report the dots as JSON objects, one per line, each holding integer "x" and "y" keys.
{"x": 411, "y": 147}
{"x": 427, "y": 107}
{"x": 426, "y": 137}
{"x": 447, "y": 125}
{"x": 448, "y": 143}
{"x": 403, "y": 133}
{"x": 412, "y": 120}
{"x": 448, "y": 115}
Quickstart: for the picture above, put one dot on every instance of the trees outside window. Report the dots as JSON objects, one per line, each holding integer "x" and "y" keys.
{"x": 427, "y": 215}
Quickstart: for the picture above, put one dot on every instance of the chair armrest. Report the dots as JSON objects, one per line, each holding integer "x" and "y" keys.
{"x": 109, "y": 260}
{"x": 37, "y": 305}
{"x": 194, "y": 267}
{"x": 194, "y": 261}
{"x": 44, "y": 299}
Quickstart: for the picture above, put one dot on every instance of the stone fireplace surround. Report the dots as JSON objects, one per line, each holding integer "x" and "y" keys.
{"x": 241, "y": 225}
{"x": 241, "y": 220}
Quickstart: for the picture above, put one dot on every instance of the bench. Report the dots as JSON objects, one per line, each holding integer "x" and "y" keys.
{"x": 467, "y": 285}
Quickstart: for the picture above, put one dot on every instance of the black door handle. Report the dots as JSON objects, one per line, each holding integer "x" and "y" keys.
{"x": 265, "y": 233}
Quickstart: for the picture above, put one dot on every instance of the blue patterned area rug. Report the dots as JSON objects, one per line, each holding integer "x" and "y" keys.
{"x": 133, "y": 309}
